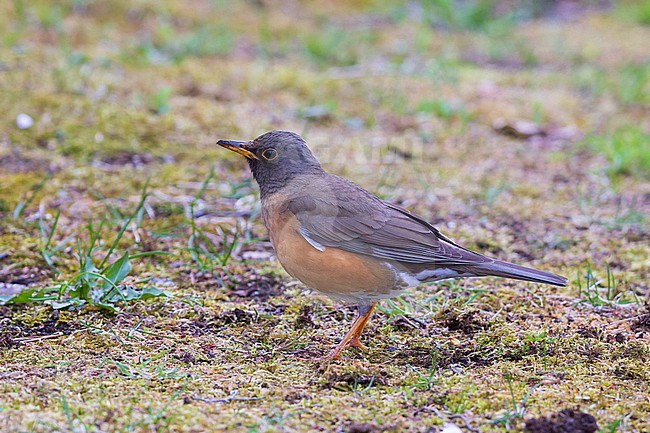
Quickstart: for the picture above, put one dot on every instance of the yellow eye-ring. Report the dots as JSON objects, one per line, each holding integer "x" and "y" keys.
{"x": 270, "y": 154}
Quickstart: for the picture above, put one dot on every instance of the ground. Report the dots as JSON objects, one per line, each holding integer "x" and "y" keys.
{"x": 140, "y": 291}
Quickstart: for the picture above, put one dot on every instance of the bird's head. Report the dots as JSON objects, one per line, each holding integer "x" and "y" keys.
{"x": 275, "y": 158}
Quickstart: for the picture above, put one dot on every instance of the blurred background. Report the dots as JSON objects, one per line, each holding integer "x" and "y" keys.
{"x": 104, "y": 80}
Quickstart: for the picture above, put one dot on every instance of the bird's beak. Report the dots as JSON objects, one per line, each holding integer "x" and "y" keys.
{"x": 237, "y": 147}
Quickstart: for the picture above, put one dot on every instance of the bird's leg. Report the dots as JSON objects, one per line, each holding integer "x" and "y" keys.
{"x": 354, "y": 334}
{"x": 365, "y": 312}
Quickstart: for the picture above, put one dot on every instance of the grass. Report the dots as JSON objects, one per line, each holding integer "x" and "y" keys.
{"x": 639, "y": 12}
{"x": 610, "y": 292}
{"x": 628, "y": 83}
{"x": 626, "y": 151}
{"x": 93, "y": 282}
{"x": 138, "y": 285}
{"x": 514, "y": 409}
{"x": 159, "y": 101}
{"x": 332, "y": 47}
{"x": 470, "y": 15}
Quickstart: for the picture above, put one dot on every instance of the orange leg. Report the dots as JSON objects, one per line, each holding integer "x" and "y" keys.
{"x": 354, "y": 334}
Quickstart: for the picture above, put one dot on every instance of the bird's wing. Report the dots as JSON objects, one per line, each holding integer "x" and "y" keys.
{"x": 354, "y": 220}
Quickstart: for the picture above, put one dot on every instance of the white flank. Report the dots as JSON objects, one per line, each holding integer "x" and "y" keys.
{"x": 312, "y": 242}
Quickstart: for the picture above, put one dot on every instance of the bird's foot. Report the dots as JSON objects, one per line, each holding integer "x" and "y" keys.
{"x": 344, "y": 344}
{"x": 356, "y": 342}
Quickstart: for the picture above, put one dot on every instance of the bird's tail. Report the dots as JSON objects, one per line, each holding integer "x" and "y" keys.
{"x": 498, "y": 268}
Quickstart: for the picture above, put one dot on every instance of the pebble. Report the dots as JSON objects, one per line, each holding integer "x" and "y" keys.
{"x": 24, "y": 121}
{"x": 451, "y": 428}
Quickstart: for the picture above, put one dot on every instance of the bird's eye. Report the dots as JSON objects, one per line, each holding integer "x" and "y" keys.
{"x": 270, "y": 154}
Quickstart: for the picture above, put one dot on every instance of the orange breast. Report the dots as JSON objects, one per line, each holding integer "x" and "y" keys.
{"x": 333, "y": 271}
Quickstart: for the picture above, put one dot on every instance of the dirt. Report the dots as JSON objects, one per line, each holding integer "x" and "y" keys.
{"x": 259, "y": 287}
{"x": 16, "y": 162}
{"x": 13, "y": 331}
{"x": 468, "y": 322}
{"x": 362, "y": 428}
{"x": 564, "y": 421}
{"x": 25, "y": 275}
{"x": 126, "y": 158}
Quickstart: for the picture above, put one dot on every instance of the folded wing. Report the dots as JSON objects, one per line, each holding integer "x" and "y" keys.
{"x": 356, "y": 221}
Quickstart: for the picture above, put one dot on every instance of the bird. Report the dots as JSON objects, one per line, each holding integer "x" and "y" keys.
{"x": 347, "y": 243}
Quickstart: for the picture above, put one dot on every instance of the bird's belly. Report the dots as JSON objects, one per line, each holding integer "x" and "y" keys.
{"x": 333, "y": 271}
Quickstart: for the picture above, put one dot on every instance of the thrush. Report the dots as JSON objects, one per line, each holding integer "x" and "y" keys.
{"x": 345, "y": 242}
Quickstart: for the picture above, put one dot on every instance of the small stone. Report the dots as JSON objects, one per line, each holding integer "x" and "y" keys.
{"x": 256, "y": 255}
{"x": 24, "y": 121}
{"x": 451, "y": 428}
{"x": 9, "y": 289}
{"x": 163, "y": 282}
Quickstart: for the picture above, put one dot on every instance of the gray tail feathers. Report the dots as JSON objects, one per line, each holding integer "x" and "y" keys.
{"x": 498, "y": 268}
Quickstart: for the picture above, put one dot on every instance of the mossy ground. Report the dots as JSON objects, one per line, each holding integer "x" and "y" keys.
{"x": 420, "y": 104}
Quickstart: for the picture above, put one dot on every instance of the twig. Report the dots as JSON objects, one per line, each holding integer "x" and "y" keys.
{"x": 617, "y": 322}
{"x": 232, "y": 397}
{"x": 13, "y": 375}
{"x": 38, "y": 338}
{"x": 467, "y": 426}
{"x": 414, "y": 322}
{"x": 441, "y": 415}
{"x": 535, "y": 295}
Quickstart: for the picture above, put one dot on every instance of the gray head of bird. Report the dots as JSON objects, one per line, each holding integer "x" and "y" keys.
{"x": 275, "y": 158}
